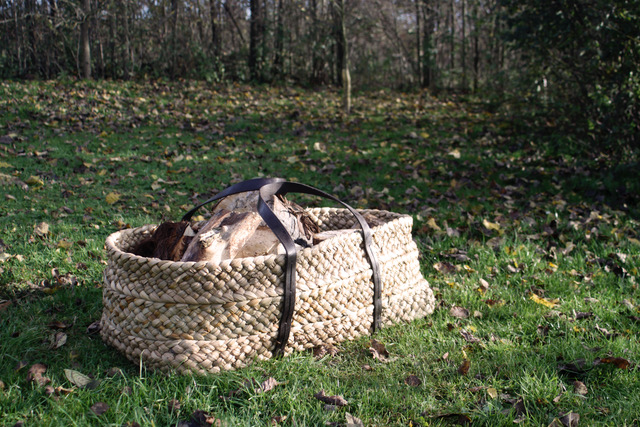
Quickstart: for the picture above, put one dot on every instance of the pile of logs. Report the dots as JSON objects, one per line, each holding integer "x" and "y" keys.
{"x": 234, "y": 230}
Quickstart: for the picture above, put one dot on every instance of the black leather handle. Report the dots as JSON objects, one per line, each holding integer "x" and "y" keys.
{"x": 268, "y": 188}
{"x": 241, "y": 187}
{"x": 267, "y": 192}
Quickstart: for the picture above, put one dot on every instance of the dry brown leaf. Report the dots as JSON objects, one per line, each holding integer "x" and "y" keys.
{"x": 618, "y": 362}
{"x": 378, "y": 350}
{"x": 41, "y": 229}
{"x": 322, "y": 350}
{"x": 580, "y": 388}
{"x": 464, "y": 367}
{"x": 57, "y": 340}
{"x": 353, "y": 421}
{"x": 173, "y": 405}
{"x": 278, "y": 419}
{"x": 459, "y": 312}
{"x": 570, "y": 420}
{"x": 330, "y": 400}
{"x": 444, "y": 267}
{"x": 412, "y": 381}
{"x": 267, "y": 385}
{"x": 35, "y": 374}
{"x": 469, "y": 337}
{"x": 99, "y": 408}
{"x": 603, "y": 331}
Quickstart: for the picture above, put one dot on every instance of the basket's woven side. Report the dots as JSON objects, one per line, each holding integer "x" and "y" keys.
{"x": 205, "y": 317}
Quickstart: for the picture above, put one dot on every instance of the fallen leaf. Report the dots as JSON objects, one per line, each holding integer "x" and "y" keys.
{"x": 278, "y": 419}
{"x": 413, "y": 381}
{"x": 579, "y": 315}
{"x": 603, "y": 331}
{"x": 469, "y": 337}
{"x": 378, "y": 350}
{"x": 618, "y": 362}
{"x": 628, "y": 304}
{"x": 112, "y": 198}
{"x": 64, "y": 244}
{"x": 459, "y": 312}
{"x": 94, "y": 328}
{"x": 492, "y": 392}
{"x": 431, "y": 222}
{"x": 444, "y": 267}
{"x": 570, "y": 420}
{"x": 41, "y": 229}
{"x": 99, "y": 408}
{"x": 464, "y": 367}
{"x": 353, "y": 421}
{"x": 484, "y": 286}
{"x": 331, "y": 400}
{"x": 35, "y": 181}
{"x": 322, "y": 350}
{"x": 491, "y": 225}
{"x": 451, "y": 418}
{"x": 35, "y": 374}
{"x": 204, "y": 419}
{"x": 550, "y": 303}
{"x": 80, "y": 380}
{"x": 56, "y": 324}
{"x": 455, "y": 153}
{"x": 173, "y": 405}
{"x": 267, "y": 385}
{"x": 580, "y": 388}
{"x": 58, "y": 340}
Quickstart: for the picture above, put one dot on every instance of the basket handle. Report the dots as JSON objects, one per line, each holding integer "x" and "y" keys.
{"x": 268, "y": 188}
{"x": 241, "y": 187}
{"x": 267, "y": 192}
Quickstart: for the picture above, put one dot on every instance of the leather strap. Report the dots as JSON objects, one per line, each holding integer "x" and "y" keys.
{"x": 270, "y": 187}
{"x": 241, "y": 187}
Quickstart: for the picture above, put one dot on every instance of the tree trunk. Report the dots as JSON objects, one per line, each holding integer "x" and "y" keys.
{"x": 85, "y": 47}
{"x": 343, "y": 60}
{"x": 427, "y": 45}
{"x": 255, "y": 39}
{"x": 279, "y": 42}
{"x": 174, "y": 38}
{"x": 452, "y": 29}
{"x": 476, "y": 50}
{"x": 463, "y": 53}
{"x": 215, "y": 31}
{"x": 419, "y": 52}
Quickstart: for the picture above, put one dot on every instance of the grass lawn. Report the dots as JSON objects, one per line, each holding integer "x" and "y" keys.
{"x": 533, "y": 253}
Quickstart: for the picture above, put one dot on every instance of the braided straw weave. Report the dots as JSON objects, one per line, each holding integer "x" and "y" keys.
{"x": 204, "y": 317}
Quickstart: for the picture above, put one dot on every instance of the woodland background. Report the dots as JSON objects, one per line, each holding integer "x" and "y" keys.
{"x": 573, "y": 62}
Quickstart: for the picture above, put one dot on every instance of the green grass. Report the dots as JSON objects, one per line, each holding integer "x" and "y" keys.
{"x": 513, "y": 214}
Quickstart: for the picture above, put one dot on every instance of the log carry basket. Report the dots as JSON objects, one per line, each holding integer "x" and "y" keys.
{"x": 205, "y": 317}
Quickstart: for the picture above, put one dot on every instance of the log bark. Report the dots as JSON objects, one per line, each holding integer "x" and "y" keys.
{"x": 236, "y": 230}
{"x": 169, "y": 241}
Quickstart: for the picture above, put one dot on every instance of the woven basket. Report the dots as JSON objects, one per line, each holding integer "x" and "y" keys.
{"x": 204, "y": 317}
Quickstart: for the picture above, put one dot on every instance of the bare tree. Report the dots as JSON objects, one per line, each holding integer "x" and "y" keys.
{"x": 85, "y": 46}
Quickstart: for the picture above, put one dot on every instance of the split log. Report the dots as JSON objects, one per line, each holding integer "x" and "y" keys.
{"x": 222, "y": 236}
{"x": 236, "y": 230}
{"x": 169, "y": 241}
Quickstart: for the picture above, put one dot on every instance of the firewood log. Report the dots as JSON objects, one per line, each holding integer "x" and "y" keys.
{"x": 168, "y": 242}
{"x": 242, "y": 232}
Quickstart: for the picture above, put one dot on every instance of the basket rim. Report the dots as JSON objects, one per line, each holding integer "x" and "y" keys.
{"x": 113, "y": 248}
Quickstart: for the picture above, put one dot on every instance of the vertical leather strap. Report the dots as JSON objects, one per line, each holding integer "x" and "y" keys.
{"x": 270, "y": 187}
{"x": 267, "y": 192}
